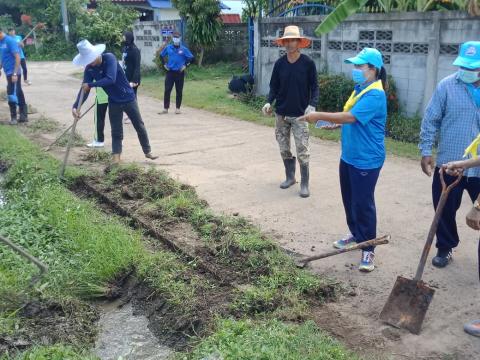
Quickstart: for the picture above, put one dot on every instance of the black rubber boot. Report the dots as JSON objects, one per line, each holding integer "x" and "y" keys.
{"x": 289, "y": 173}
{"x": 305, "y": 172}
{"x": 23, "y": 114}
{"x": 13, "y": 113}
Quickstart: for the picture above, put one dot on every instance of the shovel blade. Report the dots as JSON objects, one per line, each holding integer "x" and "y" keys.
{"x": 407, "y": 304}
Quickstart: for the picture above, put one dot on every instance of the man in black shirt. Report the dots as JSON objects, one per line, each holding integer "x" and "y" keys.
{"x": 294, "y": 88}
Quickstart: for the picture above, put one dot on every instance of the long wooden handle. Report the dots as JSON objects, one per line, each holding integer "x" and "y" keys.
{"x": 378, "y": 241}
{"x": 72, "y": 135}
{"x": 49, "y": 147}
{"x": 43, "y": 268}
{"x": 436, "y": 219}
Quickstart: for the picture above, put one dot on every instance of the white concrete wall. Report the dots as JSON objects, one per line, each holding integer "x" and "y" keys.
{"x": 419, "y": 48}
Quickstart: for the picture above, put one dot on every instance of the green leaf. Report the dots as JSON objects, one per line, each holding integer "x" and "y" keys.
{"x": 341, "y": 12}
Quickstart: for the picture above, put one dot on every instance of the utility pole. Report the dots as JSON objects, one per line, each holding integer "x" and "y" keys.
{"x": 65, "y": 20}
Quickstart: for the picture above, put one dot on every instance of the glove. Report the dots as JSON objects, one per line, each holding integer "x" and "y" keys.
{"x": 309, "y": 109}
{"x": 267, "y": 109}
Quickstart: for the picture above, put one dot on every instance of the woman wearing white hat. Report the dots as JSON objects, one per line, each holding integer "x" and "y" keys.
{"x": 102, "y": 70}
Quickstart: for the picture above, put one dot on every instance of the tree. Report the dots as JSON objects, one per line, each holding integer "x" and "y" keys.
{"x": 203, "y": 22}
{"x": 252, "y": 8}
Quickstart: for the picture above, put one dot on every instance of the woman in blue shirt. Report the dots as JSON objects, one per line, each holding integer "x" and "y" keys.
{"x": 363, "y": 149}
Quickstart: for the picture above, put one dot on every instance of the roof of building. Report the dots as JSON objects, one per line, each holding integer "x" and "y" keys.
{"x": 231, "y": 18}
{"x": 157, "y": 4}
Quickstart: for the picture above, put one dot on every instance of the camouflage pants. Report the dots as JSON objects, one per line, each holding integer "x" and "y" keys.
{"x": 283, "y": 127}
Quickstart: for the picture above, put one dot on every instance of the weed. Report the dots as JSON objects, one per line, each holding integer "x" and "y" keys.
{"x": 78, "y": 140}
{"x": 96, "y": 156}
{"x": 43, "y": 125}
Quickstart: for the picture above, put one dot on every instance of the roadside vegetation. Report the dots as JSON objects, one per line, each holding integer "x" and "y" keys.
{"x": 206, "y": 88}
{"x": 230, "y": 290}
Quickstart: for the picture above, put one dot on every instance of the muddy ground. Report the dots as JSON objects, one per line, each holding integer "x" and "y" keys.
{"x": 236, "y": 167}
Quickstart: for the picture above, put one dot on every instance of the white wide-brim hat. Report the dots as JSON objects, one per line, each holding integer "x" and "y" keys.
{"x": 87, "y": 53}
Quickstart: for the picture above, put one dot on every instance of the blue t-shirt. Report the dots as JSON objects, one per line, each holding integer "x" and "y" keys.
{"x": 178, "y": 57}
{"x": 363, "y": 142}
{"x": 8, "y": 49}
{"x": 19, "y": 39}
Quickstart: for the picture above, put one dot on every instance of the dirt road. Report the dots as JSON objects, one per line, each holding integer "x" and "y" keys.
{"x": 236, "y": 167}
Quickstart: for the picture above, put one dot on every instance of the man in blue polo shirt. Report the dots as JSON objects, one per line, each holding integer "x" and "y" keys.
{"x": 23, "y": 59}
{"x": 179, "y": 57}
{"x": 10, "y": 62}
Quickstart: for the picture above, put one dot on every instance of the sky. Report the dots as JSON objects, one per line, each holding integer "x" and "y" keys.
{"x": 235, "y": 5}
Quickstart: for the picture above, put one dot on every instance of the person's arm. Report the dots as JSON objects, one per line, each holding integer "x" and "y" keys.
{"x": 363, "y": 111}
{"x": 188, "y": 56}
{"x": 431, "y": 123}
{"x": 335, "y": 118}
{"x": 136, "y": 69}
{"x": 314, "y": 89}
{"x": 87, "y": 79}
{"x": 110, "y": 73}
{"x": 455, "y": 168}
{"x": 274, "y": 85}
{"x": 163, "y": 55}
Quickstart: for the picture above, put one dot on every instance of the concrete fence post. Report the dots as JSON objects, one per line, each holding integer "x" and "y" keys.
{"x": 432, "y": 60}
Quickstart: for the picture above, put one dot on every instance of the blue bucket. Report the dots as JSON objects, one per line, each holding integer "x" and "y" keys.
{"x": 13, "y": 98}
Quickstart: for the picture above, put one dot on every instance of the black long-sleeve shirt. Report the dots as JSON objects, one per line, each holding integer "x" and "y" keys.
{"x": 132, "y": 59}
{"x": 294, "y": 86}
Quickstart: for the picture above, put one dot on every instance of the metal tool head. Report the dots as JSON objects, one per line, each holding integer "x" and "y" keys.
{"x": 407, "y": 304}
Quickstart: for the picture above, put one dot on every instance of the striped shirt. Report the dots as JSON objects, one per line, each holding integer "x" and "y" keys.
{"x": 452, "y": 119}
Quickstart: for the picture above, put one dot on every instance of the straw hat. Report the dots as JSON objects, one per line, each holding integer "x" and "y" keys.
{"x": 293, "y": 32}
{"x": 87, "y": 53}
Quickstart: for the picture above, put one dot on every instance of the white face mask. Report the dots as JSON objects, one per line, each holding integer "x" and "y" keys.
{"x": 176, "y": 40}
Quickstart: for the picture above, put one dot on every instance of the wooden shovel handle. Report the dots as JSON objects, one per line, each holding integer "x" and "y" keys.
{"x": 378, "y": 241}
{"x": 436, "y": 219}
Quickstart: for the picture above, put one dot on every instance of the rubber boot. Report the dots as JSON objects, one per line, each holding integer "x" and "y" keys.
{"x": 289, "y": 173}
{"x": 23, "y": 114}
{"x": 116, "y": 159}
{"x": 13, "y": 113}
{"x": 305, "y": 172}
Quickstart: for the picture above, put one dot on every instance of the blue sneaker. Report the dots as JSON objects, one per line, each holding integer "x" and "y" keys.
{"x": 367, "y": 264}
{"x": 347, "y": 242}
{"x": 473, "y": 328}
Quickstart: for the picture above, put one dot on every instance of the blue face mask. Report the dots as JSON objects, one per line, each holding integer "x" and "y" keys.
{"x": 176, "y": 41}
{"x": 468, "y": 77}
{"x": 358, "y": 76}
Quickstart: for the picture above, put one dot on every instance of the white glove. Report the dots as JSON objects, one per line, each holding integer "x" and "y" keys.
{"x": 267, "y": 109}
{"x": 309, "y": 109}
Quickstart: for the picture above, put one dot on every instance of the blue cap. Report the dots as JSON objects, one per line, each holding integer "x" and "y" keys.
{"x": 367, "y": 56}
{"x": 469, "y": 56}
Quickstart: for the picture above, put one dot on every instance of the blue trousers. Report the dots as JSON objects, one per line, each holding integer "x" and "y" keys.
{"x": 358, "y": 195}
{"x": 447, "y": 235}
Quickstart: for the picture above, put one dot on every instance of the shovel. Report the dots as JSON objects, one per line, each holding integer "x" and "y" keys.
{"x": 409, "y": 300}
{"x": 301, "y": 263}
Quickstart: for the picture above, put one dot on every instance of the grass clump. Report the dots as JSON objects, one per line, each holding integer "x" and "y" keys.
{"x": 43, "y": 125}
{"x": 96, "y": 156}
{"x": 268, "y": 340}
{"x": 55, "y": 352}
{"x": 78, "y": 140}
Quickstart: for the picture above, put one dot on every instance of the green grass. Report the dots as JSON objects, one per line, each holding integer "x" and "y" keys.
{"x": 207, "y": 89}
{"x": 55, "y": 352}
{"x": 86, "y": 251}
{"x": 270, "y": 340}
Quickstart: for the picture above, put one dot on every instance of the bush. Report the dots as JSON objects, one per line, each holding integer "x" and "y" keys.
{"x": 53, "y": 47}
{"x": 402, "y": 128}
{"x": 334, "y": 92}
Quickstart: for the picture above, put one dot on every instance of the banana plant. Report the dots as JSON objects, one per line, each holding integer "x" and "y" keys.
{"x": 341, "y": 12}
